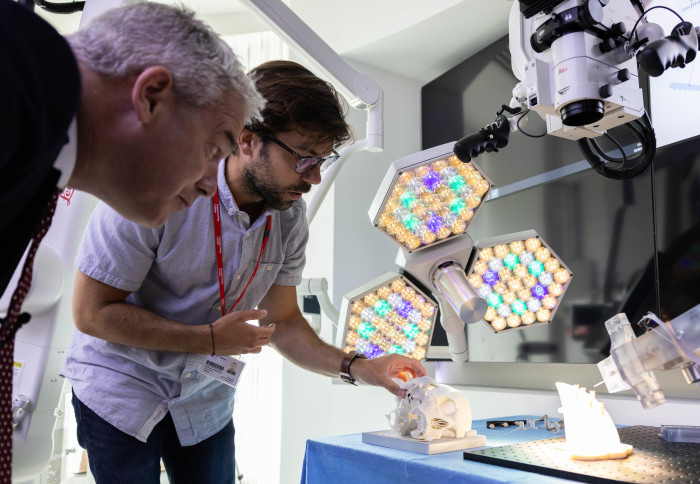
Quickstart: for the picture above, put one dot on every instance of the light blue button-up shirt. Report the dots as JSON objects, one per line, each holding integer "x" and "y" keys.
{"x": 172, "y": 272}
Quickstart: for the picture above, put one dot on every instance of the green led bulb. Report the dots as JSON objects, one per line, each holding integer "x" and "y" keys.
{"x": 396, "y": 349}
{"x": 382, "y": 308}
{"x": 408, "y": 200}
{"x": 494, "y": 300}
{"x": 365, "y": 330}
{"x": 511, "y": 260}
{"x": 518, "y": 307}
{"x": 411, "y": 222}
{"x": 536, "y": 268}
{"x": 457, "y": 182}
{"x": 411, "y": 331}
{"x": 457, "y": 205}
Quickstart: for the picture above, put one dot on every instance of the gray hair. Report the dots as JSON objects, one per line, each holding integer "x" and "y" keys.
{"x": 126, "y": 40}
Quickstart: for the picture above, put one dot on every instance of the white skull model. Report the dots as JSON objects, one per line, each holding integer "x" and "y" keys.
{"x": 431, "y": 411}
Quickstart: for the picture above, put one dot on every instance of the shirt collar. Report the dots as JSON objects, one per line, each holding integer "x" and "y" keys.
{"x": 65, "y": 162}
{"x": 226, "y": 197}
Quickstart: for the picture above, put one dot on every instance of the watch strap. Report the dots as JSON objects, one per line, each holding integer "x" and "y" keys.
{"x": 345, "y": 366}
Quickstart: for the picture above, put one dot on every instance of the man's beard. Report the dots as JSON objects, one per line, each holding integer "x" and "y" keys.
{"x": 258, "y": 177}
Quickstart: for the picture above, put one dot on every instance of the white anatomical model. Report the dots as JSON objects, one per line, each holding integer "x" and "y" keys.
{"x": 590, "y": 432}
{"x": 431, "y": 411}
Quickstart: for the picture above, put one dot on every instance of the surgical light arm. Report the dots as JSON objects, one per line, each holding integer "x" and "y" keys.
{"x": 632, "y": 359}
{"x": 318, "y": 287}
{"x": 442, "y": 269}
{"x": 361, "y": 91}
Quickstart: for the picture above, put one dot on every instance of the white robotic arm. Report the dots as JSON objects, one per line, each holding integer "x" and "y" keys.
{"x": 632, "y": 359}
{"x": 577, "y": 64}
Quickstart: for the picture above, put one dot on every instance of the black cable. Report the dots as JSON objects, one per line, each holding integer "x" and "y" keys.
{"x": 640, "y": 136}
{"x": 655, "y": 229}
{"x": 646, "y": 12}
{"x": 604, "y": 155}
{"x": 648, "y": 141}
{"x": 619, "y": 147}
{"x": 517, "y": 124}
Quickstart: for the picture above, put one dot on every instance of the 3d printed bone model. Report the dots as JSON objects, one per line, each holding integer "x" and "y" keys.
{"x": 590, "y": 432}
{"x": 431, "y": 411}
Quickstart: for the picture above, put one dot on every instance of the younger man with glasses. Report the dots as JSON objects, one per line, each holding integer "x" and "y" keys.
{"x": 151, "y": 304}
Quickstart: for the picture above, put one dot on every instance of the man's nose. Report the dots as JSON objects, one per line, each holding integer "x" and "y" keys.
{"x": 207, "y": 184}
{"x": 312, "y": 176}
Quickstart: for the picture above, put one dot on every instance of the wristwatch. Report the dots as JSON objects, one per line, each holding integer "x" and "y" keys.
{"x": 345, "y": 366}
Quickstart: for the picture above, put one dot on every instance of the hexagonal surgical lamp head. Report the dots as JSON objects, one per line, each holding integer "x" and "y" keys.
{"x": 521, "y": 279}
{"x": 389, "y": 314}
{"x": 424, "y": 204}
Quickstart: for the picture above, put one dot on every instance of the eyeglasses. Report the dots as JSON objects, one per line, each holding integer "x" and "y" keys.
{"x": 306, "y": 163}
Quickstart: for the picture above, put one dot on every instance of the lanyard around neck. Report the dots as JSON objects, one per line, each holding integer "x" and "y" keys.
{"x": 219, "y": 254}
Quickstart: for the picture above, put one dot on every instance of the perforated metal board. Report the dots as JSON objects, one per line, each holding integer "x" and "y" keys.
{"x": 653, "y": 460}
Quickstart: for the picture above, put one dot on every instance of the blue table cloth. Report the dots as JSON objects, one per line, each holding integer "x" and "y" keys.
{"x": 346, "y": 459}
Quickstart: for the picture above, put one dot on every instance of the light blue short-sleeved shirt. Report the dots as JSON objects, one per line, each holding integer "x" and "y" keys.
{"x": 171, "y": 271}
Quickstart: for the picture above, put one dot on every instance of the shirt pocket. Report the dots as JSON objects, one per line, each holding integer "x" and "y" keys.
{"x": 259, "y": 285}
{"x": 264, "y": 278}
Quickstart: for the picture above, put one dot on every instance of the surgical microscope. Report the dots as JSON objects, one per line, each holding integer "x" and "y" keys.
{"x": 578, "y": 63}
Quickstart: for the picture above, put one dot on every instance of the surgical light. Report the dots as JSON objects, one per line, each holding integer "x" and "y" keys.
{"x": 427, "y": 198}
{"x": 424, "y": 204}
{"x": 521, "y": 279}
{"x": 387, "y": 315}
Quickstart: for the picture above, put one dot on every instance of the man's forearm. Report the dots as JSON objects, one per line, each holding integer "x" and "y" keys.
{"x": 297, "y": 342}
{"x": 131, "y": 325}
{"x": 100, "y": 310}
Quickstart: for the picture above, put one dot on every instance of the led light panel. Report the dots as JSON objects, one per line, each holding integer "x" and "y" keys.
{"x": 388, "y": 315}
{"x": 521, "y": 279}
{"x": 429, "y": 197}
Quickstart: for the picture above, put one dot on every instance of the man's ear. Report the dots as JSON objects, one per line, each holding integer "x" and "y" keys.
{"x": 246, "y": 142}
{"x": 152, "y": 89}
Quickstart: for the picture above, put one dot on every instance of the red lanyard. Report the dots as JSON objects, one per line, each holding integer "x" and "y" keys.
{"x": 219, "y": 256}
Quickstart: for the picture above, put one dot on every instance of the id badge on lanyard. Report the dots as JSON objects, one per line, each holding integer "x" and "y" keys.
{"x": 227, "y": 369}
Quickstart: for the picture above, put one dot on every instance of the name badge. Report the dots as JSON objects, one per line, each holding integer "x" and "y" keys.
{"x": 226, "y": 369}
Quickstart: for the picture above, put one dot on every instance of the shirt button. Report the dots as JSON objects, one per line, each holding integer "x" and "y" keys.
{"x": 238, "y": 277}
{"x": 269, "y": 268}
{"x": 247, "y": 235}
{"x": 188, "y": 375}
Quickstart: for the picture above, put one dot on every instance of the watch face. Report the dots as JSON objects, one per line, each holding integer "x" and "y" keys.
{"x": 348, "y": 379}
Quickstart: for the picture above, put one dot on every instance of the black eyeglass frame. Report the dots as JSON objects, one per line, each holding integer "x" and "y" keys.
{"x": 313, "y": 161}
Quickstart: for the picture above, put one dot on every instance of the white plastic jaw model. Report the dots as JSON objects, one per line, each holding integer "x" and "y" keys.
{"x": 590, "y": 432}
{"x": 431, "y": 411}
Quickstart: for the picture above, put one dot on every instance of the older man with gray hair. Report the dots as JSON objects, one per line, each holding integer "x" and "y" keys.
{"x": 137, "y": 108}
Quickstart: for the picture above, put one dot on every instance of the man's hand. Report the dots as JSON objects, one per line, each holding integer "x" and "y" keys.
{"x": 380, "y": 371}
{"x": 233, "y": 335}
